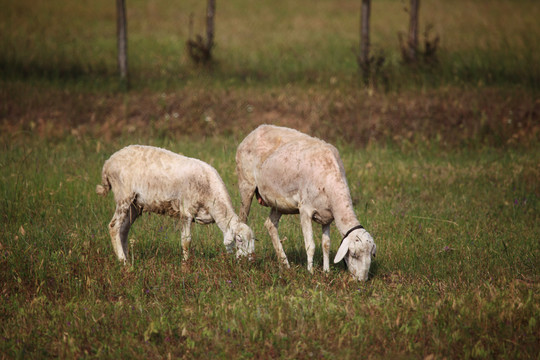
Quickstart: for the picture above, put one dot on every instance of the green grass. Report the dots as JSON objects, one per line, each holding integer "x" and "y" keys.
{"x": 456, "y": 273}
{"x": 271, "y": 42}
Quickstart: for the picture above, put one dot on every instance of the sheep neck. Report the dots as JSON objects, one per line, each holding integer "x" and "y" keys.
{"x": 224, "y": 215}
{"x": 343, "y": 210}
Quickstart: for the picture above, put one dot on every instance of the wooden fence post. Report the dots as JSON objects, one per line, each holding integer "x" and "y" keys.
{"x": 121, "y": 30}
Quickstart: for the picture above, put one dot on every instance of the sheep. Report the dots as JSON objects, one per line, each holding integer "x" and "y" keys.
{"x": 155, "y": 180}
{"x": 293, "y": 173}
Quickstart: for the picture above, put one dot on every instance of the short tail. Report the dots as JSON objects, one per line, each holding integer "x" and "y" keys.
{"x": 104, "y": 188}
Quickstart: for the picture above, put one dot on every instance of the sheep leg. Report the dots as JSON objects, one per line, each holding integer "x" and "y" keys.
{"x": 271, "y": 224}
{"x": 326, "y": 247}
{"x": 307, "y": 231}
{"x": 247, "y": 190}
{"x": 130, "y": 218}
{"x": 124, "y": 216}
{"x": 186, "y": 237}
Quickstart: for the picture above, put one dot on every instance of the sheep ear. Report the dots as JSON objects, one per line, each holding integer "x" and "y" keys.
{"x": 342, "y": 251}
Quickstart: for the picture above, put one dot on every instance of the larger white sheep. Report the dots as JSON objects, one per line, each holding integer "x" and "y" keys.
{"x": 292, "y": 173}
{"x": 151, "y": 179}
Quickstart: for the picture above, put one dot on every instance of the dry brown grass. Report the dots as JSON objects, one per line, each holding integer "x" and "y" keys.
{"x": 448, "y": 116}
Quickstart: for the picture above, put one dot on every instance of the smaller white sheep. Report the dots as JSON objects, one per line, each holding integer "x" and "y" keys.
{"x": 151, "y": 179}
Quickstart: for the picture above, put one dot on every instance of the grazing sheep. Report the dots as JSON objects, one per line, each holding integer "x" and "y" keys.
{"x": 293, "y": 173}
{"x": 150, "y": 179}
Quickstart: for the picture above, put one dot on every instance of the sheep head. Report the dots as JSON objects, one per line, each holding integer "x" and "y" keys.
{"x": 357, "y": 249}
{"x": 241, "y": 238}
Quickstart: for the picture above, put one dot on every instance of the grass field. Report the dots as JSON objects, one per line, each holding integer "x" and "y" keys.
{"x": 456, "y": 273}
{"x": 442, "y": 162}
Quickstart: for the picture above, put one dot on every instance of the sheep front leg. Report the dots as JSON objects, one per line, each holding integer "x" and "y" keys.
{"x": 186, "y": 237}
{"x": 326, "y": 247}
{"x": 307, "y": 231}
{"x": 271, "y": 224}
{"x": 124, "y": 216}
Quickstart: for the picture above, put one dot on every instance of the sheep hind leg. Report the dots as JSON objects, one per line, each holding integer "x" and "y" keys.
{"x": 124, "y": 216}
{"x": 132, "y": 215}
{"x": 247, "y": 190}
{"x": 271, "y": 225}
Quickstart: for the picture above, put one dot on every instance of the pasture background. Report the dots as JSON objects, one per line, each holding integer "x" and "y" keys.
{"x": 442, "y": 161}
